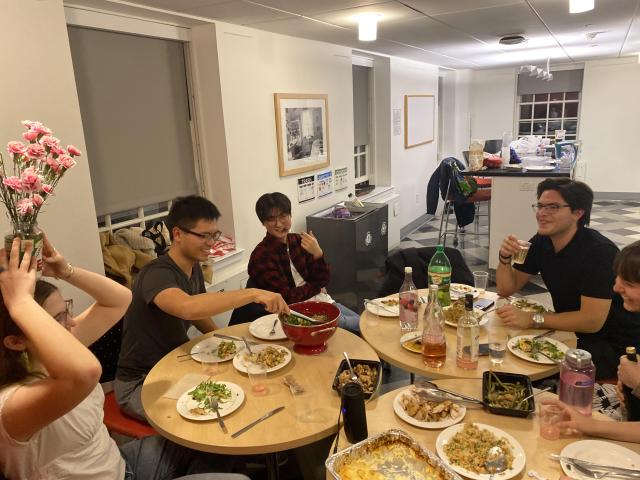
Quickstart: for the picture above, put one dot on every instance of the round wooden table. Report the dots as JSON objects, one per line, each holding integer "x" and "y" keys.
{"x": 383, "y": 334}
{"x": 381, "y": 417}
{"x": 306, "y": 418}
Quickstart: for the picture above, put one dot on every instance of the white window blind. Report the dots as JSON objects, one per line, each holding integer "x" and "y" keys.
{"x": 135, "y": 114}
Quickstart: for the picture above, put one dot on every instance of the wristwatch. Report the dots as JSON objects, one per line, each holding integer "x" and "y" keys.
{"x": 538, "y": 320}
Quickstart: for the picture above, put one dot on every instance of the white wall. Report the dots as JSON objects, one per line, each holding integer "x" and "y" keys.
{"x": 609, "y": 121}
{"x": 411, "y": 168}
{"x": 493, "y": 95}
{"x": 37, "y": 83}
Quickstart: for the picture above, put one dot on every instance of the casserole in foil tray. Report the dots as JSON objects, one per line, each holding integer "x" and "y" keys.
{"x": 390, "y": 455}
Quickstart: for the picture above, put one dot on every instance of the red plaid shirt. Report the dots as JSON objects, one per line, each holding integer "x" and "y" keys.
{"x": 270, "y": 269}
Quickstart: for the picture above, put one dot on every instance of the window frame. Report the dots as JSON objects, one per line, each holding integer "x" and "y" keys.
{"x": 532, "y": 120}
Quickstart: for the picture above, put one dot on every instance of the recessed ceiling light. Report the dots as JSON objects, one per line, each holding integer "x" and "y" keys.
{"x": 512, "y": 40}
{"x": 579, "y": 6}
{"x": 368, "y": 26}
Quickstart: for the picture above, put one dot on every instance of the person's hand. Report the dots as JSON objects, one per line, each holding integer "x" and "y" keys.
{"x": 273, "y": 302}
{"x": 509, "y": 246}
{"x": 629, "y": 372}
{"x": 571, "y": 417}
{"x": 620, "y": 394}
{"x": 54, "y": 264}
{"x": 310, "y": 244}
{"x": 17, "y": 279}
{"x": 514, "y": 317}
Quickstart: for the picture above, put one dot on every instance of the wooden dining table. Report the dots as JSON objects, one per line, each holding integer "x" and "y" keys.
{"x": 306, "y": 418}
{"x": 383, "y": 334}
{"x": 381, "y": 417}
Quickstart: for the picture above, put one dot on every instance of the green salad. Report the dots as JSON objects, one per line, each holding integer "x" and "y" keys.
{"x": 536, "y": 347}
{"x": 205, "y": 391}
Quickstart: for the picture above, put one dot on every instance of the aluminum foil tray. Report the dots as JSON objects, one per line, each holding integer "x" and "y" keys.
{"x": 396, "y": 470}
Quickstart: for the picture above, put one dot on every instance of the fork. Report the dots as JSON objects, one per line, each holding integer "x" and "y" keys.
{"x": 273, "y": 327}
{"x": 214, "y": 405}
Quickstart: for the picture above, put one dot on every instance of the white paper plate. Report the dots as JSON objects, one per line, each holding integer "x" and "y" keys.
{"x": 206, "y": 351}
{"x": 540, "y": 168}
{"x": 185, "y": 403}
{"x": 598, "y": 451}
{"x": 240, "y": 361}
{"x": 511, "y": 344}
{"x": 387, "y": 311}
{"x": 459, "y": 290}
{"x": 518, "y": 452}
{"x": 476, "y": 311}
{"x": 261, "y": 327}
{"x": 397, "y": 407}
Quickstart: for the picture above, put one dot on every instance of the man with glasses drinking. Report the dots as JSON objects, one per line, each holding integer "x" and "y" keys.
{"x": 574, "y": 261}
{"x": 169, "y": 295}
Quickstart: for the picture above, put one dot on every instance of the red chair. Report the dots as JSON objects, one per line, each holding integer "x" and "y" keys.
{"x": 118, "y": 422}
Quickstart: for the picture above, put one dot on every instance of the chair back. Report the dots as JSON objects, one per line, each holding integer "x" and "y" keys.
{"x": 493, "y": 146}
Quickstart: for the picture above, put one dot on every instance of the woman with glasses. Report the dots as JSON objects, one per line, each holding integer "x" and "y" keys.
{"x": 50, "y": 401}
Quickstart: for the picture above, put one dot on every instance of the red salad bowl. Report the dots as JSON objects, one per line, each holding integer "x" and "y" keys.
{"x": 312, "y": 339}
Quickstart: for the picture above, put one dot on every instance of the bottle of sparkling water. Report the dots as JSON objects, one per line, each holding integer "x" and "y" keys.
{"x": 440, "y": 275}
{"x": 434, "y": 342}
{"x": 409, "y": 303}
{"x": 468, "y": 336}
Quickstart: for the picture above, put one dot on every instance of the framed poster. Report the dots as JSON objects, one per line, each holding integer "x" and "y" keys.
{"x": 325, "y": 183}
{"x": 419, "y": 120}
{"x": 306, "y": 188}
{"x": 302, "y": 131}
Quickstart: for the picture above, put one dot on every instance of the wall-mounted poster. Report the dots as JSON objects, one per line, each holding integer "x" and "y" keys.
{"x": 306, "y": 188}
{"x": 302, "y": 131}
{"x": 419, "y": 117}
{"x": 340, "y": 175}
{"x": 325, "y": 183}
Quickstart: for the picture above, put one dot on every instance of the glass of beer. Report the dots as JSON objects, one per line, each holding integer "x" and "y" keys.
{"x": 521, "y": 255}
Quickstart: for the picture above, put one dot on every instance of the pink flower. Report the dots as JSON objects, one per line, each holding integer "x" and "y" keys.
{"x": 57, "y": 151}
{"x": 39, "y": 128}
{"x": 48, "y": 189}
{"x": 31, "y": 181}
{"x": 25, "y": 206}
{"x": 50, "y": 141}
{"x": 14, "y": 183}
{"x": 37, "y": 200}
{"x": 16, "y": 148}
{"x": 67, "y": 162}
{"x": 30, "y": 136}
{"x": 28, "y": 123}
{"x": 53, "y": 164}
{"x": 73, "y": 151}
{"x": 36, "y": 151}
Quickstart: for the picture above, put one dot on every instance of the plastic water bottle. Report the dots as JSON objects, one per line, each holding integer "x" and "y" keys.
{"x": 507, "y": 138}
{"x": 409, "y": 303}
{"x": 434, "y": 342}
{"x": 468, "y": 335}
{"x": 577, "y": 379}
{"x": 440, "y": 274}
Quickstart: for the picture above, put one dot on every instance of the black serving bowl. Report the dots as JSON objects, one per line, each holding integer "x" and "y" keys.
{"x": 510, "y": 378}
{"x": 374, "y": 365}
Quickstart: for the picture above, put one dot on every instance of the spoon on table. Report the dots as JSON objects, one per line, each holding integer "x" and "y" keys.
{"x": 495, "y": 462}
{"x": 526, "y": 399}
{"x": 422, "y": 383}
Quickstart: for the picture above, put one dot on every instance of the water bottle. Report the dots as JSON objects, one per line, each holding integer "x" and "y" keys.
{"x": 468, "y": 335}
{"x": 631, "y": 402}
{"x": 354, "y": 413}
{"x": 440, "y": 275}
{"x": 409, "y": 303}
{"x": 577, "y": 378}
{"x": 434, "y": 342}
{"x": 507, "y": 137}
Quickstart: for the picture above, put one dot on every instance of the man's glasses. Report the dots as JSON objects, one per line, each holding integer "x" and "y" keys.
{"x": 548, "y": 207}
{"x": 63, "y": 317}
{"x": 207, "y": 237}
{"x": 283, "y": 217}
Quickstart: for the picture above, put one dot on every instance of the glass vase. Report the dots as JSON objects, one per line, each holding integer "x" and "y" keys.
{"x": 29, "y": 233}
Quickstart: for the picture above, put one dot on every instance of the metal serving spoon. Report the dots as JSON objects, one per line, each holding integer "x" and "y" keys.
{"x": 495, "y": 462}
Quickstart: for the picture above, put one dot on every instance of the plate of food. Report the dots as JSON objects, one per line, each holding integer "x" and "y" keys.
{"x": 416, "y": 411}
{"x": 412, "y": 341}
{"x": 215, "y": 350}
{"x": 272, "y": 357}
{"x": 261, "y": 328}
{"x": 454, "y": 312}
{"x": 367, "y": 371}
{"x": 195, "y": 403}
{"x": 464, "y": 447}
{"x": 384, "y": 307}
{"x": 459, "y": 290}
{"x": 546, "y": 351}
{"x": 601, "y": 452}
{"x": 528, "y": 306}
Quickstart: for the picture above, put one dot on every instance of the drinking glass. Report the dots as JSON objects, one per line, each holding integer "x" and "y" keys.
{"x": 497, "y": 345}
{"x": 258, "y": 379}
{"x": 521, "y": 255}
{"x": 480, "y": 280}
{"x": 550, "y": 415}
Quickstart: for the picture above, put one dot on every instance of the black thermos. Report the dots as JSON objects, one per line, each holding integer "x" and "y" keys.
{"x": 355, "y": 417}
{"x": 631, "y": 401}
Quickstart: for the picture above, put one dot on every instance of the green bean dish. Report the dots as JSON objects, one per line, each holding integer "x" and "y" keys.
{"x": 506, "y": 394}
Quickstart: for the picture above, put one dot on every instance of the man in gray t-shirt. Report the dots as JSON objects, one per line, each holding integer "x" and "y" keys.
{"x": 169, "y": 295}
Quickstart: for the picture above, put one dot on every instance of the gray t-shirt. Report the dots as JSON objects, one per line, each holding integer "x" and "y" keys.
{"x": 149, "y": 333}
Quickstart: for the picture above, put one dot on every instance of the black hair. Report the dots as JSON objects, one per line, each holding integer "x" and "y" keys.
{"x": 187, "y": 211}
{"x": 627, "y": 263}
{"x": 272, "y": 201}
{"x": 578, "y": 195}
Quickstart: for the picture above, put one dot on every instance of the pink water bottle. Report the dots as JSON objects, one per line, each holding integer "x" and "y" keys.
{"x": 577, "y": 378}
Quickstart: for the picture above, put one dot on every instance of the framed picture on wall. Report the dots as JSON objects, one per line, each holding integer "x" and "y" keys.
{"x": 419, "y": 118}
{"x": 302, "y": 130}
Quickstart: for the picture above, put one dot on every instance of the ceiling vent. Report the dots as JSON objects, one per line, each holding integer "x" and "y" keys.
{"x": 512, "y": 40}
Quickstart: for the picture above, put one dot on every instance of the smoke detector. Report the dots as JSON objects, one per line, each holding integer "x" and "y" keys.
{"x": 512, "y": 40}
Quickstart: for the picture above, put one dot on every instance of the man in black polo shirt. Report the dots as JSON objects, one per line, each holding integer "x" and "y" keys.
{"x": 574, "y": 261}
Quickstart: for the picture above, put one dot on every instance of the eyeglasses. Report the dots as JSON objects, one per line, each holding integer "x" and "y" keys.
{"x": 207, "y": 237}
{"x": 63, "y": 317}
{"x": 283, "y": 217}
{"x": 548, "y": 207}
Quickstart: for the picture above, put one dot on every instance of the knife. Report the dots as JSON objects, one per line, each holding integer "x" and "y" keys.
{"x": 255, "y": 422}
{"x": 229, "y": 337}
{"x": 544, "y": 334}
{"x": 597, "y": 466}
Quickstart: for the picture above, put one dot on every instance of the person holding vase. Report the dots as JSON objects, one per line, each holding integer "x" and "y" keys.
{"x": 50, "y": 400}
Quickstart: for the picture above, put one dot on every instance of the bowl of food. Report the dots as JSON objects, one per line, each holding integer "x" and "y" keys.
{"x": 367, "y": 371}
{"x": 310, "y": 338}
{"x": 503, "y": 393}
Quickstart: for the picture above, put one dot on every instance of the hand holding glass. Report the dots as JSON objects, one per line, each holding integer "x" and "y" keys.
{"x": 521, "y": 255}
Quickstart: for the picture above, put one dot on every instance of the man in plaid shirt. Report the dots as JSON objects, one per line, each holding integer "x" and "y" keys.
{"x": 291, "y": 264}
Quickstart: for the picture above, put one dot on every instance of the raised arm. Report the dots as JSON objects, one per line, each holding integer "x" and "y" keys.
{"x": 508, "y": 279}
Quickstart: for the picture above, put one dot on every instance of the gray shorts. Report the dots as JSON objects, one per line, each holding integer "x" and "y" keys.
{"x": 129, "y": 397}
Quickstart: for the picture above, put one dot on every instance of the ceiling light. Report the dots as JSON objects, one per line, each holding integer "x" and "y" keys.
{"x": 579, "y": 6}
{"x": 368, "y": 26}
